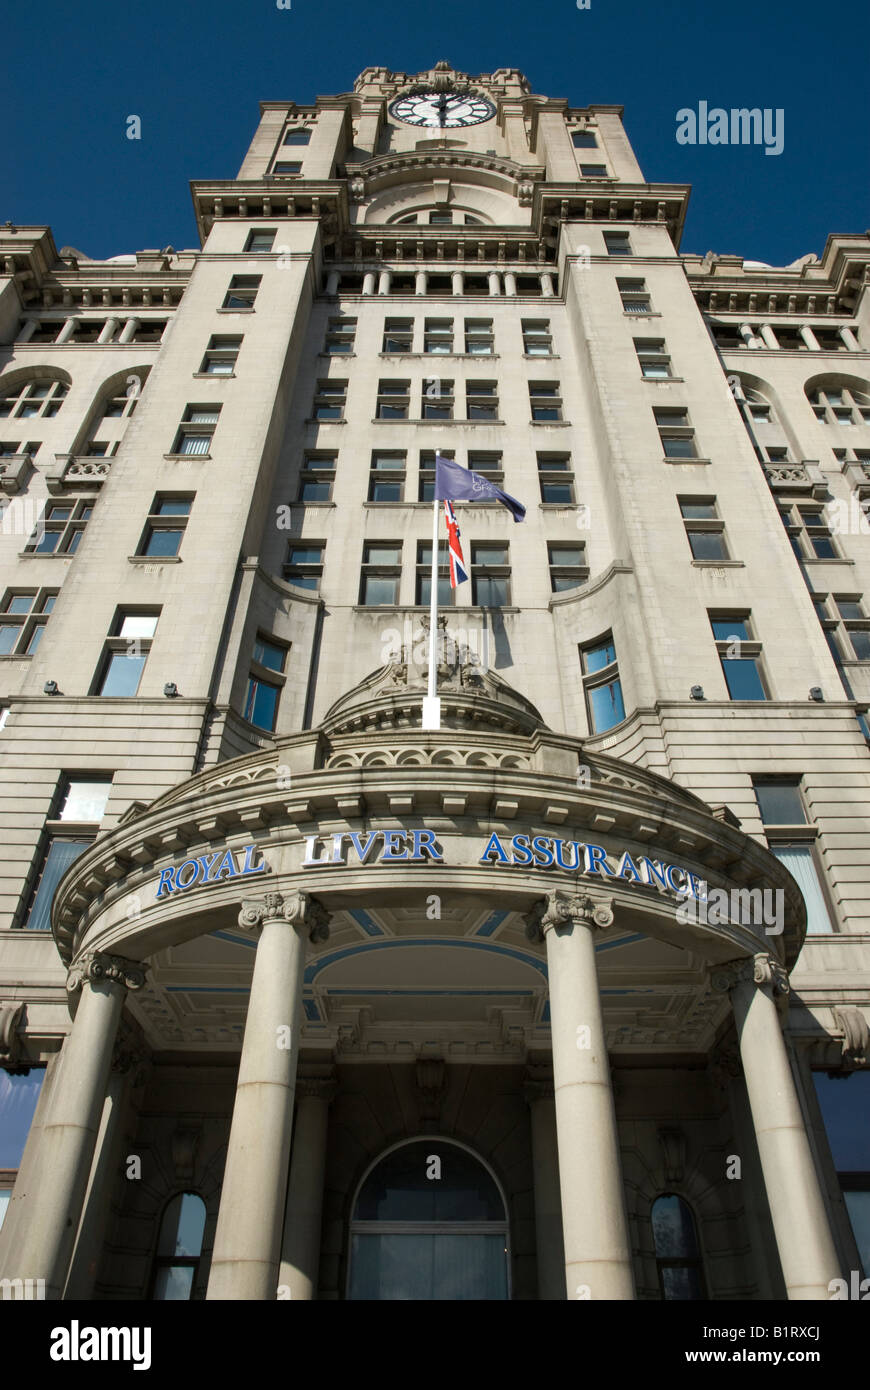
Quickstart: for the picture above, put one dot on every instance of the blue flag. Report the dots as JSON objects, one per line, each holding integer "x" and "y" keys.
{"x": 453, "y": 483}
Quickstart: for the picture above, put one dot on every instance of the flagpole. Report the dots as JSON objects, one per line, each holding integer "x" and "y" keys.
{"x": 432, "y": 705}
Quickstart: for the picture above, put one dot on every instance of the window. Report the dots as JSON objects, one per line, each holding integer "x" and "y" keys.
{"x": 297, "y": 137}
{"x": 164, "y": 529}
{"x": 601, "y": 684}
{"x": 423, "y": 591}
{"x": 490, "y": 575}
{"x": 617, "y": 244}
{"x": 398, "y": 335}
{"x": 119, "y": 407}
{"x": 545, "y": 400}
{"x": 19, "y": 1093}
{"x": 481, "y": 400}
{"x": 437, "y": 399}
{"x": 60, "y": 528}
{"x": 127, "y": 649}
{"x": 556, "y": 478}
{"x": 596, "y": 171}
{"x": 839, "y": 406}
{"x": 440, "y": 219}
{"x": 340, "y": 337}
{"x": 528, "y": 286}
{"x": 329, "y": 401}
{"x": 304, "y": 564}
{"x": 844, "y": 1100}
{"x": 387, "y": 477}
{"x": 33, "y": 398}
{"x": 677, "y": 436}
{"x": 287, "y": 166}
{"x": 808, "y": 531}
{"x": 438, "y": 336}
{"x": 584, "y": 140}
{"x": 426, "y": 477}
{"x": 317, "y": 477}
{"x": 635, "y": 299}
{"x": 260, "y": 241}
{"x": 655, "y": 364}
{"x": 791, "y": 836}
{"x": 261, "y": 697}
{"x": 179, "y": 1247}
{"x": 394, "y": 400}
{"x": 23, "y": 618}
{"x": 568, "y": 568}
{"x": 705, "y": 531}
{"x": 382, "y": 570}
{"x": 196, "y": 430}
{"x": 740, "y": 656}
{"x": 242, "y": 292}
{"x": 537, "y": 340}
{"x": 220, "y": 356}
{"x": 678, "y": 1258}
{"x": 479, "y": 340}
{"x": 856, "y": 625}
{"x": 78, "y": 808}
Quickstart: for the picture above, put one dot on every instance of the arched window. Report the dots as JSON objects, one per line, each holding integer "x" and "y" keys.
{"x": 678, "y": 1256}
{"x": 179, "y": 1247}
{"x": 763, "y": 423}
{"x": 835, "y": 404}
{"x": 31, "y": 398}
{"x": 429, "y": 1222}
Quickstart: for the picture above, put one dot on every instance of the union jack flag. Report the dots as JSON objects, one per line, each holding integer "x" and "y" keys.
{"x": 458, "y": 572}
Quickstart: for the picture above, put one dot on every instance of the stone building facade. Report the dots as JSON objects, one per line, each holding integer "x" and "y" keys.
{"x": 568, "y": 997}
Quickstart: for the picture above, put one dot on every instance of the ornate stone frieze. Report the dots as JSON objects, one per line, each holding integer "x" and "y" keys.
{"x": 297, "y": 909}
{"x": 96, "y": 966}
{"x": 561, "y": 909}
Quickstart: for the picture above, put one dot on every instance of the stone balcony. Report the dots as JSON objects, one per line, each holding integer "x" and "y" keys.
{"x": 14, "y": 469}
{"x": 803, "y": 476}
{"x": 78, "y": 471}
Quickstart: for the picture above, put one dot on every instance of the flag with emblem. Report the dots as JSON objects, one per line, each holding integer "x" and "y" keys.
{"x": 458, "y": 572}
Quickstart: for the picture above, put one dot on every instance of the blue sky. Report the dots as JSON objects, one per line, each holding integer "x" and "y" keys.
{"x": 194, "y": 72}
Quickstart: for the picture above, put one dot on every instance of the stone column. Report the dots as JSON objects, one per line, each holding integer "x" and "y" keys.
{"x": 594, "y": 1225}
{"x": 247, "y": 1243}
{"x": 458, "y": 281}
{"x": 510, "y": 283}
{"x": 809, "y": 337}
{"x": 849, "y": 339}
{"x": 27, "y": 331}
{"x": 69, "y": 327}
{"x": 748, "y": 335}
{"x": 384, "y": 282}
{"x": 800, "y": 1221}
{"x": 546, "y": 285}
{"x": 129, "y": 331}
{"x": 768, "y": 336}
{"x": 108, "y": 330}
{"x": 70, "y": 1132}
{"x": 369, "y": 282}
{"x": 549, "y": 1245}
{"x": 420, "y": 282}
{"x": 494, "y": 283}
{"x": 332, "y": 282}
{"x": 300, "y": 1247}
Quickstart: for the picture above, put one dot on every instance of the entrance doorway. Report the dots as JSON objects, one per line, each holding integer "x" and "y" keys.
{"x": 429, "y": 1222}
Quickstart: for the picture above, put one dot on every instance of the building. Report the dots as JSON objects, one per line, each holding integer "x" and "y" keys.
{"x": 568, "y": 997}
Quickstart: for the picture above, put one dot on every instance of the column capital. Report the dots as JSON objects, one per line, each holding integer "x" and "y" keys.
{"x": 316, "y": 1086}
{"x": 298, "y": 910}
{"x": 562, "y": 908}
{"x": 93, "y": 966}
{"x": 761, "y": 969}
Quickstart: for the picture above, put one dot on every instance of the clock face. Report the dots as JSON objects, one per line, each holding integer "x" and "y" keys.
{"x": 442, "y": 110}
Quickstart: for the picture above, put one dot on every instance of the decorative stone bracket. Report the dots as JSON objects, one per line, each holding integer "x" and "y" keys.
{"x": 11, "y": 1016}
{"x": 856, "y": 1034}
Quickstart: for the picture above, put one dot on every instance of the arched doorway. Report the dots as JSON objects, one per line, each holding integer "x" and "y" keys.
{"x": 429, "y": 1223}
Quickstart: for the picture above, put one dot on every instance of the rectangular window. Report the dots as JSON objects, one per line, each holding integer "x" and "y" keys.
{"x": 677, "y": 435}
{"x": 481, "y": 400}
{"x": 423, "y": 589}
{"x": 304, "y": 564}
{"x": 381, "y": 573}
{"x": 196, "y": 430}
{"x": 242, "y": 292}
{"x": 164, "y": 529}
{"x": 426, "y": 475}
{"x": 856, "y": 627}
{"x": 740, "y": 655}
{"x": 317, "y": 477}
{"x": 844, "y": 1100}
{"x": 437, "y": 399}
{"x": 260, "y": 241}
{"x": 537, "y": 339}
{"x": 340, "y": 336}
{"x": 398, "y": 335}
{"x": 298, "y": 137}
{"x": 596, "y": 171}
{"x": 329, "y": 401}
{"x": 790, "y": 836}
{"x": 820, "y": 543}
{"x": 125, "y": 653}
{"x": 568, "y": 568}
{"x": 617, "y": 243}
{"x": 438, "y": 336}
{"x": 601, "y": 684}
{"x": 19, "y": 1093}
{"x": 387, "y": 477}
{"x": 479, "y": 339}
{"x": 583, "y": 140}
{"x": 545, "y": 400}
{"x": 263, "y": 691}
{"x": 61, "y": 528}
{"x": 394, "y": 400}
{"x": 23, "y": 617}
{"x": 655, "y": 364}
{"x": 634, "y": 295}
{"x": 220, "y": 356}
{"x": 556, "y": 478}
{"x": 704, "y": 529}
{"x": 490, "y": 575}
{"x": 287, "y": 166}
